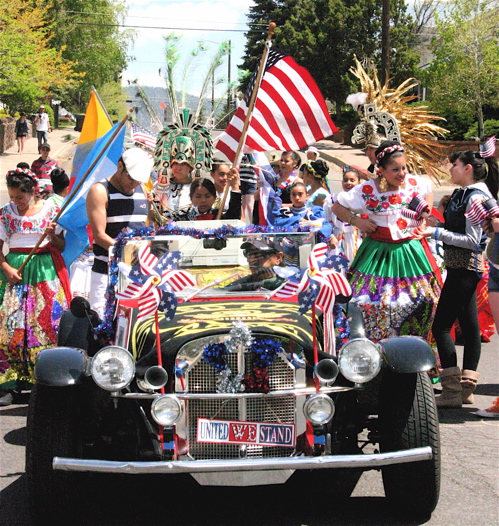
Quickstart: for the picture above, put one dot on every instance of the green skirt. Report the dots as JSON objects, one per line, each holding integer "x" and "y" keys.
{"x": 29, "y": 316}
{"x": 396, "y": 288}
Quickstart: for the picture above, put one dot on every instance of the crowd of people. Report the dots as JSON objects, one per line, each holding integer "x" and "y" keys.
{"x": 381, "y": 221}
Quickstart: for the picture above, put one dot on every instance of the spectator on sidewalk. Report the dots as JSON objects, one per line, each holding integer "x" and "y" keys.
{"x": 22, "y": 131}
{"x": 42, "y": 168}
{"x": 42, "y": 123}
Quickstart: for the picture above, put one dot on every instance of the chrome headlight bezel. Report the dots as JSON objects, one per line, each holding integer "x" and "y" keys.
{"x": 319, "y": 409}
{"x": 353, "y": 353}
{"x": 167, "y": 410}
{"x": 121, "y": 357}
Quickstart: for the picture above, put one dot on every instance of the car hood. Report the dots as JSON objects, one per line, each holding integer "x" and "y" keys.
{"x": 199, "y": 319}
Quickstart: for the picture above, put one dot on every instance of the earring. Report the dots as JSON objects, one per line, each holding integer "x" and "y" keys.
{"x": 383, "y": 185}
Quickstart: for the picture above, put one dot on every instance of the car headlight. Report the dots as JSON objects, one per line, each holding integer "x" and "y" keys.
{"x": 112, "y": 368}
{"x": 360, "y": 360}
{"x": 319, "y": 409}
{"x": 166, "y": 410}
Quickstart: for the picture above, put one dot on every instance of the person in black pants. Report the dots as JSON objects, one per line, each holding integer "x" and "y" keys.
{"x": 464, "y": 243}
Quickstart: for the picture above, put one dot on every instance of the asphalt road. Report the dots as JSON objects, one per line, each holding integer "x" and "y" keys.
{"x": 469, "y": 493}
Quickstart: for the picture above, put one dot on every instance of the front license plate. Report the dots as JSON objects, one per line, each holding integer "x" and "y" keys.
{"x": 234, "y": 432}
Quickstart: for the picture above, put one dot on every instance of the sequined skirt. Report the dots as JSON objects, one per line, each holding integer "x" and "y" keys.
{"x": 29, "y": 316}
{"x": 396, "y": 288}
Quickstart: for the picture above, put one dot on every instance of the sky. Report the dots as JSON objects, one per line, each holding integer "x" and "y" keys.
{"x": 213, "y": 22}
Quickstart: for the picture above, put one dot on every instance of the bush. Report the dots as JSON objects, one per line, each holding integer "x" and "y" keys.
{"x": 490, "y": 127}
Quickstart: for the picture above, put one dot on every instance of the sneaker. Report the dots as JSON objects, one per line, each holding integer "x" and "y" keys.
{"x": 6, "y": 398}
{"x": 491, "y": 412}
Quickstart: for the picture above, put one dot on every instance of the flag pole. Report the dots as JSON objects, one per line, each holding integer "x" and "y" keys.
{"x": 242, "y": 139}
{"x": 77, "y": 187}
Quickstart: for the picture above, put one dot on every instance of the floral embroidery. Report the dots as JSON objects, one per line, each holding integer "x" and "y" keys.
{"x": 394, "y": 199}
{"x": 401, "y": 223}
{"x": 384, "y": 202}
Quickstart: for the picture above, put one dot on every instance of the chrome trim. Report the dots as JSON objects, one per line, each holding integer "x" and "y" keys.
{"x": 209, "y": 466}
{"x": 306, "y": 391}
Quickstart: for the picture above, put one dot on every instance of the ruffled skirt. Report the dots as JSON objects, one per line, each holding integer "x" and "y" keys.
{"x": 396, "y": 288}
{"x": 29, "y": 316}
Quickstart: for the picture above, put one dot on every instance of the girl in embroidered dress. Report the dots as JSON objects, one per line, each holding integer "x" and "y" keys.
{"x": 315, "y": 177}
{"x": 392, "y": 279}
{"x": 31, "y": 301}
{"x": 349, "y": 237}
{"x": 287, "y": 175}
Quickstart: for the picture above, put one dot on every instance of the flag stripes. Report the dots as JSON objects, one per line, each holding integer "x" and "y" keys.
{"x": 289, "y": 111}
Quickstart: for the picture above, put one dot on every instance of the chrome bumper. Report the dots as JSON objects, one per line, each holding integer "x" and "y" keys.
{"x": 213, "y": 466}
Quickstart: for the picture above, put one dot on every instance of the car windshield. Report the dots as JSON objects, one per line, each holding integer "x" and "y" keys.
{"x": 248, "y": 265}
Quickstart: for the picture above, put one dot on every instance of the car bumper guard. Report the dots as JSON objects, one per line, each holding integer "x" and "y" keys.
{"x": 371, "y": 461}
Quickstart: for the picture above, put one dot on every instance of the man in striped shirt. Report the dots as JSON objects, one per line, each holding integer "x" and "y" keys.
{"x": 114, "y": 204}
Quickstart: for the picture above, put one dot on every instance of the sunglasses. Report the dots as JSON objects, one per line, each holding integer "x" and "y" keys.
{"x": 260, "y": 254}
{"x": 347, "y": 168}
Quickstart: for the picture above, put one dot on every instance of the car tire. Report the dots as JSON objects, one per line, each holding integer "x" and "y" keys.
{"x": 413, "y": 488}
{"x": 51, "y": 431}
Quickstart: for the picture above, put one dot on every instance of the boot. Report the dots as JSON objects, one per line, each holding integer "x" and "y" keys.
{"x": 451, "y": 388}
{"x": 468, "y": 385}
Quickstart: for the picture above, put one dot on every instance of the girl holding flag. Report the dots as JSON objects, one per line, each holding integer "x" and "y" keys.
{"x": 464, "y": 243}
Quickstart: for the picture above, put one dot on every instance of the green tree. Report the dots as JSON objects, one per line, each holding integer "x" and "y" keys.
{"x": 260, "y": 14}
{"x": 324, "y": 35}
{"x": 88, "y": 33}
{"x": 29, "y": 68}
{"x": 464, "y": 76}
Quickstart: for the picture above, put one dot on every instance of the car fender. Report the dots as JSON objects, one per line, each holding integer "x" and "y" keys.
{"x": 408, "y": 354}
{"x": 61, "y": 366}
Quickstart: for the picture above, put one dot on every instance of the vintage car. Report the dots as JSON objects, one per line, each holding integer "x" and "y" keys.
{"x": 201, "y": 368}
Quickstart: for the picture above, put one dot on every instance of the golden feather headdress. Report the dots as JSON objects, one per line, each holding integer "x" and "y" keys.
{"x": 413, "y": 123}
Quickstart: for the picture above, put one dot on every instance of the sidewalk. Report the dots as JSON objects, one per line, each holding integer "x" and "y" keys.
{"x": 62, "y": 146}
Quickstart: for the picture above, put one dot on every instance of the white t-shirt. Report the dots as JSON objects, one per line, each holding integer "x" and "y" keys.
{"x": 42, "y": 124}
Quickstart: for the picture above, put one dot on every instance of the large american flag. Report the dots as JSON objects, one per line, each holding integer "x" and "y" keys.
{"x": 143, "y": 136}
{"x": 289, "y": 111}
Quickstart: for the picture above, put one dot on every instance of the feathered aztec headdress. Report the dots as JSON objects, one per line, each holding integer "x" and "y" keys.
{"x": 185, "y": 140}
{"x": 385, "y": 113}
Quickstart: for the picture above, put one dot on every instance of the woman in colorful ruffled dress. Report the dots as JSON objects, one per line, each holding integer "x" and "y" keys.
{"x": 392, "y": 279}
{"x": 32, "y": 300}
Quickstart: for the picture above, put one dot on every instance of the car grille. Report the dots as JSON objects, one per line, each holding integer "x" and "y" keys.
{"x": 201, "y": 378}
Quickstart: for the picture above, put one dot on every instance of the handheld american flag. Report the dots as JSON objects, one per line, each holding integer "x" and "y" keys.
{"x": 289, "y": 111}
{"x": 481, "y": 210}
{"x": 488, "y": 148}
{"x": 143, "y": 136}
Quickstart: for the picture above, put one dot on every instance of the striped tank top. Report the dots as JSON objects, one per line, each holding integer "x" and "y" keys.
{"x": 122, "y": 211}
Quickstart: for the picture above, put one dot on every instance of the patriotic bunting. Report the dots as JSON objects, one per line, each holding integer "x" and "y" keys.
{"x": 154, "y": 282}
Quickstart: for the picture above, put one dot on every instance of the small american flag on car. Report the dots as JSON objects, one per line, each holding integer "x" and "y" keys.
{"x": 143, "y": 136}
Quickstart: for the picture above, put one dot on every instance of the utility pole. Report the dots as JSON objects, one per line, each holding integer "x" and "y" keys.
{"x": 229, "y": 90}
{"x": 385, "y": 40}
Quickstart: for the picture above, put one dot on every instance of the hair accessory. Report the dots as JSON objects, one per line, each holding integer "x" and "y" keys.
{"x": 20, "y": 172}
{"x": 415, "y": 123}
{"x": 387, "y": 151}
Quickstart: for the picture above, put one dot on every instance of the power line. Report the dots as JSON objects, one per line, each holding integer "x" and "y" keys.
{"x": 168, "y": 28}
{"x": 155, "y": 17}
